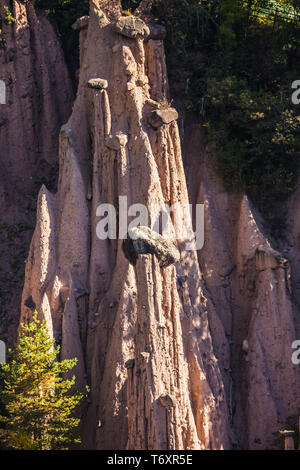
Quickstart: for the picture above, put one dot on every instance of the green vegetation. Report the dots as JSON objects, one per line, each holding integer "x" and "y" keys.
{"x": 37, "y": 404}
{"x": 232, "y": 63}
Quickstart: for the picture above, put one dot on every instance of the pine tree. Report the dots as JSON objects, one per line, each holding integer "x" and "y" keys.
{"x": 38, "y": 403}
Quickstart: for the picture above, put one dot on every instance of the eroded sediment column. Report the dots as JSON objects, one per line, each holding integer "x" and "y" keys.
{"x": 111, "y": 147}
{"x": 159, "y": 410}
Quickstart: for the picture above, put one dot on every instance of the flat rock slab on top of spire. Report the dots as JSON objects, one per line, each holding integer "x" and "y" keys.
{"x": 143, "y": 240}
{"x": 97, "y": 83}
{"x": 132, "y": 27}
{"x": 115, "y": 142}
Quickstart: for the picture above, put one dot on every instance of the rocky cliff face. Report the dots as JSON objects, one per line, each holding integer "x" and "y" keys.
{"x": 193, "y": 355}
{"x": 38, "y": 101}
{"x": 102, "y": 309}
{"x": 253, "y": 282}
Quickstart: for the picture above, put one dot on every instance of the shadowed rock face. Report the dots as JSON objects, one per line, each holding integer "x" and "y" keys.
{"x": 254, "y": 283}
{"x": 142, "y": 314}
{"x": 39, "y": 99}
{"x": 267, "y": 258}
{"x": 81, "y": 23}
{"x": 143, "y": 240}
{"x": 157, "y": 32}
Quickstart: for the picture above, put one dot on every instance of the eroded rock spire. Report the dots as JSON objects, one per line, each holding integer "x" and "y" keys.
{"x": 108, "y": 148}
